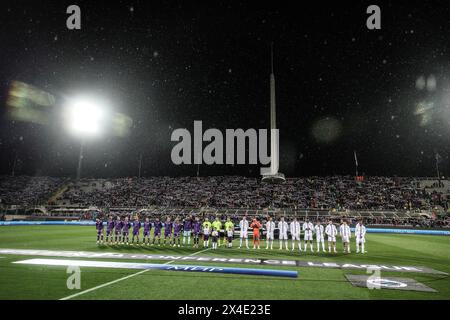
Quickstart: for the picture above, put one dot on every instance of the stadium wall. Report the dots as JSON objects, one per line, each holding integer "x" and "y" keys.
{"x": 92, "y": 223}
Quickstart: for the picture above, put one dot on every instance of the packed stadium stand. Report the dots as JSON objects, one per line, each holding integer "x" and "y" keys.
{"x": 379, "y": 200}
{"x": 27, "y": 191}
{"x": 337, "y": 192}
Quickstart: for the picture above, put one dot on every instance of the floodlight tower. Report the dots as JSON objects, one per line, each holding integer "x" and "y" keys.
{"x": 80, "y": 160}
{"x": 273, "y": 176}
{"x": 84, "y": 119}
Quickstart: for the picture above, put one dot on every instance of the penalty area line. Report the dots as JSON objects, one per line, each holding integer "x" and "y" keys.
{"x": 121, "y": 279}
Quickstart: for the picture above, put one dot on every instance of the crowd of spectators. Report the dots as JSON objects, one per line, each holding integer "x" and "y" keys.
{"x": 26, "y": 190}
{"x": 327, "y": 193}
{"x": 411, "y": 222}
{"x": 336, "y": 192}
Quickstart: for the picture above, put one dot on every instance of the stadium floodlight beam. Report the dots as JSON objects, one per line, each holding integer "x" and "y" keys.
{"x": 84, "y": 116}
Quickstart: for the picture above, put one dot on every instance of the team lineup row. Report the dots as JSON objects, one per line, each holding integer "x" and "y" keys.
{"x": 179, "y": 233}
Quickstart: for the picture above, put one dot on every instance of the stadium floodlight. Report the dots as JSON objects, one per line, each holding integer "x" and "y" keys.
{"x": 85, "y": 117}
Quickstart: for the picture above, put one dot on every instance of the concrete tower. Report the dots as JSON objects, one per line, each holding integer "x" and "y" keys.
{"x": 272, "y": 175}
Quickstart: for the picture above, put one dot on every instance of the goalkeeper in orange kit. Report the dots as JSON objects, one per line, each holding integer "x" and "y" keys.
{"x": 256, "y": 225}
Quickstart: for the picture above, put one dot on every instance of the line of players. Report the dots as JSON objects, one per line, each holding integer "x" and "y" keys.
{"x": 176, "y": 233}
{"x": 309, "y": 230}
{"x": 179, "y": 232}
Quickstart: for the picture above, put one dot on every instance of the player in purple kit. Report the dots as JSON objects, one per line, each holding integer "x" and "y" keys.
{"x": 109, "y": 229}
{"x": 147, "y": 228}
{"x": 125, "y": 231}
{"x": 177, "y": 226}
{"x": 157, "y": 232}
{"x": 168, "y": 231}
{"x": 136, "y": 228}
{"x": 196, "y": 227}
{"x": 187, "y": 227}
{"x": 117, "y": 230}
{"x": 99, "y": 228}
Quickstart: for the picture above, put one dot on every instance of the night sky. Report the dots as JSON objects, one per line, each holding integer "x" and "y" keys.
{"x": 340, "y": 87}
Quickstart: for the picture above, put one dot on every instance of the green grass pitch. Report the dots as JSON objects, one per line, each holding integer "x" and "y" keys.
{"x": 49, "y": 282}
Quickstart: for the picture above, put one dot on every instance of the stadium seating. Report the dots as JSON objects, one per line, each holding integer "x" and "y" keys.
{"x": 383, "y": 200}
{"x": 337, "y": 192}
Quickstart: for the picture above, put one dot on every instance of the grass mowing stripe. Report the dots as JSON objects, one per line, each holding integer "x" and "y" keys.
{"x": 121, "y": 279}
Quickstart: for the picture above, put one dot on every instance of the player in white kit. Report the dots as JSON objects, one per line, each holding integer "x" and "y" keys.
{"x": 230, "y": 234}
{"x": 270, "y": 229}
{"x": 295, "y": 234}
{"x": 331, "y": 232}
{"x": 344, "y": 231}
{"x": 283, "y": 229}
{"x": 360, "y": 236}
{"x": 206, "y": 233}
{"x": 319, "y": 229}
{"x": 243, "y": 226}
{"x": 308, "y": 228}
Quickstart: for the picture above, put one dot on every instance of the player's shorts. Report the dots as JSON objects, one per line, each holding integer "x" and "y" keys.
{"x": 125, "y": 233}
{"x": 196, "y": 234}
{"x": 135, "y": 233}
{"x": 117, "y": 233}
{"x": 99, "y": 231}
{"x": 308, "y": 236}
{"x": 283, "y": 236}
{"x": 244, "y": 234}
{"x": 230, "y": 239}
{"x": 295, "y": 237}
{"x": 360, "y": 239}
{"x": 146, "y": 233}
{"x": 176, "y": 234}
{"x": 157, "y": 233}
{"x": 205, "y": 237}
{"x": 108, "y": 232}
{"x": 319, "y": 239}
{"x": 331, "y": 239}
{"x": 269, "y": 235}
{"x": 187, "y": 233}
{"x": 167, "y": 234}
{"x": 345, "y": 239}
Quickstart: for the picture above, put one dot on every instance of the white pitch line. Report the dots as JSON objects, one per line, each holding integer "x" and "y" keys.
{"x": 121, "y": 279}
